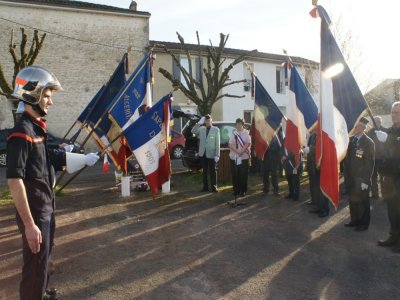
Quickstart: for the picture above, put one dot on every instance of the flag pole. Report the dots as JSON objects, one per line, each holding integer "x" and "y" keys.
{"x": 97, "y": 124}
{"x": 69, "y": 130}
{"x": 112, "y": 107}
{"x": 81, "y": 170}
{"x": 75, "y": 136}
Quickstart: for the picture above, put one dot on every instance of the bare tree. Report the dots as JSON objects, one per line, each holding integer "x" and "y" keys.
{"x": 22, "y": 57}
{"x": 349, "y": 44}
{"x": 204, "y": 93}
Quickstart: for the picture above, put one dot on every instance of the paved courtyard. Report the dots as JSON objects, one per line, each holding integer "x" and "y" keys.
{"x": 192, "y": 245}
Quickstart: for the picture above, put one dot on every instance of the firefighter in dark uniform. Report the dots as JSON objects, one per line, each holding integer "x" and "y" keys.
{"x": 390, "y": 170}
{"x": 30, "y": 175}
{"x": 360, "y": 161}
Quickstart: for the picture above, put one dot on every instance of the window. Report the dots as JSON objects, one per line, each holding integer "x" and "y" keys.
{"x": 247, "y": 115}
{"x": 309, "y": 82}
{"x": 280, "y": 80}
{"x": 247, "y": 86}
{"x": 196, "y": 69}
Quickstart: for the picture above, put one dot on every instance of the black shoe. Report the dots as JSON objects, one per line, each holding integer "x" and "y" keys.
{"x": 350, "y": 224}
{"x": 204, "y": 190}
{"x": 50, "y": 294}
{"x": 276, "y": 193}
{"x": 288, "y": 196}
{"x": 265, "y": 191}
{"x": 361, "y": 228}
{"x": 323, "y": 214}
{"x": 309, "y": 202}
{"x": 314, "y": 211}
{"x": 242, "y": 194}
{"x": 214, "y": 190}
{"x": 295, "y": 199}
{"x": 391, "y": 241}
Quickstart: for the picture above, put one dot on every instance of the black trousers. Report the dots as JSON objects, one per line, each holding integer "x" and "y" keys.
{"x": 294, "y": 185}
{"x": 376, "y": 179}
{"x": 314, "y": 188}
{"x": 359, "y": 204}
{"x": 317, "y": 197}
{"x": 391, "y": 192}
{"x": 35, "y": 266}
{"x": 208, "y": 165}
{"x": 239, "y": 176}
{"x": 270, "y": 167}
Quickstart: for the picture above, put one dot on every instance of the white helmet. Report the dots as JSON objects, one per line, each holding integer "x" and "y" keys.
{"x": 31, "y": 81}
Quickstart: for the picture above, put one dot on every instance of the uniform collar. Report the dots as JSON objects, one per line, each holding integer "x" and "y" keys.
{"x": 38, "y": 121}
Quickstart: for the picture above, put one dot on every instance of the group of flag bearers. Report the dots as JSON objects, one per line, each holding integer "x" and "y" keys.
{"x": 129, "y": 124}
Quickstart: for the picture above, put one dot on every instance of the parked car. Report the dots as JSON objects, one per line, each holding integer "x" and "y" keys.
{"x": 51, "y": 139}
{"x": 190, "y": 157}
{"x": 177, "y": 144}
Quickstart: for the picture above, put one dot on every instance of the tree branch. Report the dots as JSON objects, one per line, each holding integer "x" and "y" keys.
{"x": 229, "y": 95}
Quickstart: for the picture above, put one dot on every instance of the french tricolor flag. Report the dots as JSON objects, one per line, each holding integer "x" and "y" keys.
{"x": 267, "y": 118}
{"x": 302, "y": 113}
{"x": 342, "y": 105}
{"x": 147, "y": 137}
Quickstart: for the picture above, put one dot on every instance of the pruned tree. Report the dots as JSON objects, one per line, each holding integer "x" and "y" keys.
{"x": 352, "y": 51}
{"x": 204, "y": 93}
{"x": 22, "y": 57}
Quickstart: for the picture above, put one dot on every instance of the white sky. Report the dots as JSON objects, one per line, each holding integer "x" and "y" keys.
{"x": 272, "y": 25}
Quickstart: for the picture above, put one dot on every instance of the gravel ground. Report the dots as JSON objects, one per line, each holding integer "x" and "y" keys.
{"x": 192, "y": 245}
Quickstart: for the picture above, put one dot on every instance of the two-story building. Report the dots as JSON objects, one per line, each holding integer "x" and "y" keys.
{"x": 268, "y": 68}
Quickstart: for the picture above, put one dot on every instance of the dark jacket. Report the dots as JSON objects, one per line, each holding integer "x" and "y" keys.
{"x": 391, "y": 155}
{"x": 311, "y": 161}
{"x": 360, "y": 160}
{"x": 29, "y": 158}
{"x": 289, "y": 163}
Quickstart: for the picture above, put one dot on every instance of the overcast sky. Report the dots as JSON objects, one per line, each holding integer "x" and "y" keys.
{"x": 273, "y": 25}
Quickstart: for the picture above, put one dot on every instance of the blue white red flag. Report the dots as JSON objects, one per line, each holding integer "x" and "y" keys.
{"x": 267, "y": 118}
{"x": 134, "y": 97}
{"x": 302, "y": 113}
{"x": 147, "y": 137}
{"x": 342, "y": 105}
{"x": 100, "y": 103}
{"x": 86, "y": 112}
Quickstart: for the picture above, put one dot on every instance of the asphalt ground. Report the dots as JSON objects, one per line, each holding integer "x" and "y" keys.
{"x": 192, "y": 245}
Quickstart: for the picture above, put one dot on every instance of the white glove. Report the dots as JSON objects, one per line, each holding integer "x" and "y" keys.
{"x": 91, "y": 159}
{"x": 382, "y": 136}
{"x": 201, "y": 121}
{"x": 216, "y": 158}
{"x": 68, "y": 148}
{"x": 364, "y": 186}
{"x": 76, "y": 161}
{"x": 306, "y": 150}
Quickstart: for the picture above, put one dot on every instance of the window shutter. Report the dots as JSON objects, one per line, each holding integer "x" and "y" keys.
{"x": 199, "y": 71}
{"x": 175, "y": 70}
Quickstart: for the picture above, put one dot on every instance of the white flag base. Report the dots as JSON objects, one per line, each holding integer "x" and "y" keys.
{"x": 166, "y": 187}
{"x": 125, "y": 186}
